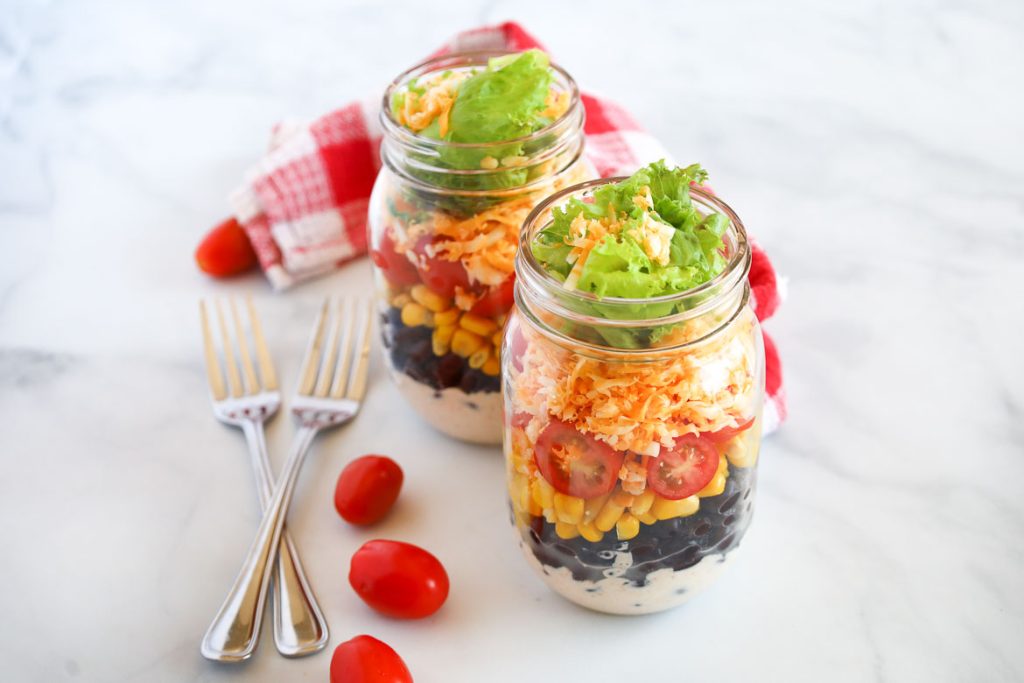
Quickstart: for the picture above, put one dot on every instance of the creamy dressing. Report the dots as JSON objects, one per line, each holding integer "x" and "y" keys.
{"x": 472, "y": 417}
{"x": 663, "y": 590}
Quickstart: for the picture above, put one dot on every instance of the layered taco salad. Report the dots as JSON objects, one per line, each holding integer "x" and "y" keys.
{"x": 631, "y": 449}
{"x": 445, "y": 243}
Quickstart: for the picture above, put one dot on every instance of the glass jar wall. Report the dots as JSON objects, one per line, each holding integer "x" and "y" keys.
{"x": 444, "y": 223}
{"x": 632, "y": 428}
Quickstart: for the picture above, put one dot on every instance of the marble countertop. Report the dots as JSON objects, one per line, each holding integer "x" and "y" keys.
{"x": 875, "y": 149}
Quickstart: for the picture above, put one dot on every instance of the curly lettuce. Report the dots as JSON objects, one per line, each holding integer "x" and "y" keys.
{"x": 619, "y": 265}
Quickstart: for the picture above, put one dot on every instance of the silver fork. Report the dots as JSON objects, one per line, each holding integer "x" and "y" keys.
{"x": 331, "y": 388}
{"x": 245, "y": 402}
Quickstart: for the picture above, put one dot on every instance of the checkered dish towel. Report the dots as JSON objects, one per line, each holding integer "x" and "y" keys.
{"x": 304, "y": 204}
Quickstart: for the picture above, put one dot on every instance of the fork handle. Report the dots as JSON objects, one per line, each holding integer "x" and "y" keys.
{"x": 299, "y": 625}
{"x": 234, "y": 632}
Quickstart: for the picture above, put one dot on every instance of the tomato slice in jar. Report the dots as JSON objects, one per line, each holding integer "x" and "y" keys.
{"x": 439, "y": 274}
{"x": 575, "y": 463}
{"x": 496, "y": 300}
{"x": 683, "y": 470}
{"x": 397, "y": 269}
{"x": 726, "y": 433}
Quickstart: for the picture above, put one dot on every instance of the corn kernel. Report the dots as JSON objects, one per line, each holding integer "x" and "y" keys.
{"x": 496, "y": 338}
{"x": 476, "y": 324}
{"x": 448, "y": 317}
{"x": 663, "y": 508}
{"x": 566, "y": 531}
{"x": 465, "y": 343}
{"x": 429, "y": 299}
{"x": 549, "y": 516}
{"x": 590, "y": 532}
{"x": 489, "y": 163}
{"x": 648, "y": 518}
{"x": 414, "y": 315}
{"x": 400, "y": 300}
{"x": 739, "y": 454}
{"x": 543, "y": 492}
{"x": 441, "y": 339}
{"x": 592, "y": 506}
{"x": 642, "y": 503}
{"x": 608, "y": 516}
{"x": 534, "y": 509}
{"x": 479, "y": 357}
{"x": 627, "y": 527}
{"x": 714, "y": 487}
{"x": 492, "y": 367}
{"x": 622, "y": 499}
{"x": 569, "y": 508}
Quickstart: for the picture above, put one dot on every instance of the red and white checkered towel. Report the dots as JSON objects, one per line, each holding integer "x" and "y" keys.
{"x": 304, "y": 204}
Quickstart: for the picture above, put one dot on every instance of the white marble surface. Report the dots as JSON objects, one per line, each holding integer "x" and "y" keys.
{"x": 876, "y": 149}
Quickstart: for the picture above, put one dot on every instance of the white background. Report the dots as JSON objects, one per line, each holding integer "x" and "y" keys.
{"x": 875, "y": 149}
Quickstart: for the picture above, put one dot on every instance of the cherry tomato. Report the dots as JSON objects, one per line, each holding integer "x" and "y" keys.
{"x": 726, "y": 433}
{"x": 574, "y": 463}
{"x": 398, "y": 269}
{"x": 225, "y": 251}
{"x": 399, "y": 580}
{"x": 440, "y": 274}
{"x": 364, "y": 659}
{"x": 681, "y": 471}
{"x": 367, "y": 488}
{"x": 496, "y": 300}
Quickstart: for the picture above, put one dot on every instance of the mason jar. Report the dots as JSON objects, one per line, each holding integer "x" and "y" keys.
{"x": 444, "y": 221}
{"x": 632, "y": 427}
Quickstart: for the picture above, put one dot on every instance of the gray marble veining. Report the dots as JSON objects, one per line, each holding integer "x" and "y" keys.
{"x": 876, "y": 150}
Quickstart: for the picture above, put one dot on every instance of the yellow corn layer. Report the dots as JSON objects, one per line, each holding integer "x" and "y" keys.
{"x": 441, "y": 340}
{"x": 476, "y": 324}
{"x": 569, "y": 509}
{"x": 543, "y": 493}
{"x": 480, "y": 356}
{"x": 590, "y": 532}
{"x": 608, "y": 516}
{"x": 648, "y": 518}
{"x": 448, "y": 317}
{"x": 663, "y": 508}
{"x": 642, "y": 503}
{"x": 464, "y": 342}
{"x": 566, "y": 531}
{"x": 429, "y": 299}
{"x": 415, "y": 315}
{"x": 492, "y": 367}
{"x": 592, "y": 506}
{"x": 739, "y": 454}
{"x": 627, "y": 527}
{"x": 716, "y": 486}
{"x": 622, "y": 499}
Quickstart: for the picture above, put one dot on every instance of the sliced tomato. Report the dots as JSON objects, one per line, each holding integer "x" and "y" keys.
{"x": 726, "y": 433}
{"x": 496, "y": 300}
{"x": 575, "y": 463}
{"x": 398, "y": 269}
{"x": 440, "y": 274}
{"x": 683, "y": 470}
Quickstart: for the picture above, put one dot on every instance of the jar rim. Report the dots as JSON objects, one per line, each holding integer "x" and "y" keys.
{"x": 469, "y": 58}
{"x": 704, "y": 297}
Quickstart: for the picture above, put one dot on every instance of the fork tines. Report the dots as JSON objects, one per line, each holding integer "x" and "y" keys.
{"x": 337, "y": 367}
{"x": 244, "y": 382}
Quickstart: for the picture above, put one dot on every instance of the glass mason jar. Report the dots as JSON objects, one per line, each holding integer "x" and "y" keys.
{"x": 617, "y": 411}
{"x": 444, "y": 221}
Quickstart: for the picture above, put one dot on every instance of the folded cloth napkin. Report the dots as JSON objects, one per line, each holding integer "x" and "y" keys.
{"x": 304, "y": 203}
